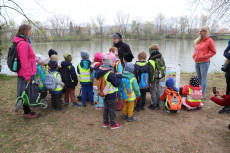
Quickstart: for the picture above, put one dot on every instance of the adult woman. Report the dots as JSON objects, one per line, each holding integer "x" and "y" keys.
{"x": 204, "y": 50}
{"x": 121, "y": 46}
{"x": 28, "y": 65}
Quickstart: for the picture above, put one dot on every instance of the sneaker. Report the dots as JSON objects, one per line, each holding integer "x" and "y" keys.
{"x": 66, "y": 103}
{"x": 151, "y": 107}
{"x": 30, "y": 115}
{"x": 178, "y": 111}
{"x": 225, "y": 109}
{"x": 116, "y": 126}
{"x": 167, "y": 111}
{"x": 132, "y": 119}
{"x": 106, "y": 125}
{"x": 76, "y": 104}
{"x": 96, "y": 108}
{"x": 100, "y": 108}
{"x": 137, "y": 109}
{"x": 142, "y": 108}
{"x": 125, "y": 117}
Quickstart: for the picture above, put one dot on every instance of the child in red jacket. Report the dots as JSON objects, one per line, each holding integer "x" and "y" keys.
{"x": 194, "y": 94}
{"x": 224, "y": 101}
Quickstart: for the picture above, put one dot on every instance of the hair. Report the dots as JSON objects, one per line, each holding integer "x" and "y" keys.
{"x": 200, "y": 38}
{"x": 112, "y": 49}
{"x": 54, "y": 57}
{"x": 142, "y": 55}
{"x": 155, "y": 47}
{"x": 24, "y": 30}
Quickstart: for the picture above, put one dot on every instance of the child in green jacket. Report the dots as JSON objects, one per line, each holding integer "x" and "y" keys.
{"x": 128, "y": 105}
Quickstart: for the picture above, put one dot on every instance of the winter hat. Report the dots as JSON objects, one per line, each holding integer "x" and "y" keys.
{"x": 97, "y": 57}
{"x": 194, "y": 81}
{"x": 128, "y": 57}
{"x": 53, "y": 64}
{"x": 117, "y": 35}
{"x": 170, "y": 83}
{"x": 67, "y": 57}
{"x": 154, "y": 48}
{"x": 108, "y": 59}
{"x": 39, "y": 58}
{"x": 52, "y": 52}
{"x": 84, "y": 54}
{"x": 142, "y": 55}
{"x": 129, "y": 67}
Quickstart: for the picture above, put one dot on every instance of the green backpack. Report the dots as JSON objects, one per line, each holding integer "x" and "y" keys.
{"x": 160, "y": 68}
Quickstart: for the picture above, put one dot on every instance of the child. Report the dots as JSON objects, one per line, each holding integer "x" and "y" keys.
{"x": 154, "y": 76}
{"x": 98, "y": 101}
{"x": 40, "y": 75}
{"x": 141, "y": 66}
{"x": 52, "y": 52}
{"x": 72, "y": 83}
{"x": 128, "y": 106}
{"x": 170, "y": 88}
{"x": 56, "y": 94}
{"x": 117, "y": 69}
{"x": 194, "y": 94}
{"x": 113, "y": 80}
{"x": 83, "y": 69}
{"x": 128, "y": 57}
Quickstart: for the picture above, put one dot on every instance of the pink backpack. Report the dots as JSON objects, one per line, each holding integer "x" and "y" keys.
{"x": 196, "y": 94}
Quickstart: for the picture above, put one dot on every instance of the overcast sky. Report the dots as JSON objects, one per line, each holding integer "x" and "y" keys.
{"x": 81, "y": 11}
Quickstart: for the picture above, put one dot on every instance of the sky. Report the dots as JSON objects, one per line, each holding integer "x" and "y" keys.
{"x": 81, "y": 11}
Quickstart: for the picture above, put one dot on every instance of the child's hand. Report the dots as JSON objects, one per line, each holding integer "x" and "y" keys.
{"x": 150, "y": 85}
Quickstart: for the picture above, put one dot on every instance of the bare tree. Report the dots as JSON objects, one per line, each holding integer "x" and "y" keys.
{"x": 97, "y": 24}
{"x": 122, "y": 21}
{"x": 159, "y": 22}
{"x": 136, "y": 27}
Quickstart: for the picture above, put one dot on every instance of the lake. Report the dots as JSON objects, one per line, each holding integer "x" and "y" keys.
{"x": 174, "y": 51}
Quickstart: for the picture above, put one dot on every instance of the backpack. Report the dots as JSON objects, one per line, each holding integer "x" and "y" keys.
{"x": 144, "y": 81}
{"x": 65, "y": 75}
{"x": 116, "y": 65}
{"x": 160, "y": 68}
{"x": 196, "y": 94}
{"x": 100, "y": 86}
{"x": 173, "y": 101}
{"x": 50, "y": 81}
{"x": 126, "y": 89}
{"x": 13, "y": 61}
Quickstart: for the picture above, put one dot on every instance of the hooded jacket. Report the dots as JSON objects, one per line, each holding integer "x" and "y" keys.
{"x": 40, "y": 72}
{"x": 94, "y": 66}
{"x": 85, "y": 64}
{"x": 27, "y": 58}
{"x": 122, "y": 49}
{"x": 72, "y": 73}
{"x": 155, "y": 55}
{"x": 112, "y": 77}
{"x": 138, "y": 70}
{"x": 185, "y": 91}
{"x": 135, "y": 85}
{"x": 227, "y": 55}
{"x": 204, "y": 50}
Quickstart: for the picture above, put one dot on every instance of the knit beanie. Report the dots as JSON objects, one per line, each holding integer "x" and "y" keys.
{"x": 194, "y": 81}
{"x": 154, "y": 48}
{"x": 108, "y": 59}
{"x": 39, "y": 58}
{"x": 97, "y": 57}
{"x": 84, "y": 54}
{"x": 129, "y": 67}
{"x": 53, "y": 64}
{"x": 142, "y": 55}
{"x": 117, "y": 35}
{"x": 128, "y": 57}
{"x": 52, "y": 52}
{"x": 67, "y": 57}
{"x": 170, "y": 83}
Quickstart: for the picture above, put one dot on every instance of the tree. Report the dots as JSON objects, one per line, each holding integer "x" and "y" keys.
{"x": 159, "y": 22}
{"x": 135, "y": 28}
{"x": 122, "y": 21}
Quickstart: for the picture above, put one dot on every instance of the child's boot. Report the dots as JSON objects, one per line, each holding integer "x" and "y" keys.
{"x": 125, "y": 117}
{"x": 132, "y": 119}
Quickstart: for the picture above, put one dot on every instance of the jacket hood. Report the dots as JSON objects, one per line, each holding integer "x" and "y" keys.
{"x": 65, "y": 64}
{"x": 155, "y": 55}
{"x": 127, "y": 75}
{"x": 17, "y": 39}
{"x": 85, "y": 63}
{"x": 142, "y": 66}
{"x": 101, "y": 72}
{"x": 194, "y": 88}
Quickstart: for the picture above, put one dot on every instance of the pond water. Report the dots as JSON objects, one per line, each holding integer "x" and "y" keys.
{"x": 174, "y": 51}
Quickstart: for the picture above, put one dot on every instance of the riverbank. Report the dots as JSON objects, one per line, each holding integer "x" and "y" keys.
{"x": 80, "y": 129}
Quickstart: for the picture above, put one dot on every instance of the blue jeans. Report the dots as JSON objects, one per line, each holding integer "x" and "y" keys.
{"x": 202, "y": 73}
{"x": 87, "y": 89}
{"x": 98, "y": 99}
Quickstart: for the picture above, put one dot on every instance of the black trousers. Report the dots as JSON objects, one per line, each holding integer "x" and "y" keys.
{"x": 56, "y": 101}
{"x": 141, "y": 101}
{"x": 228, "y": 86}
{"x": 110, "y": 112}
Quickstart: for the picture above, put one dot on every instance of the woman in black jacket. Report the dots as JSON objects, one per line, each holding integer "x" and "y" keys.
{"x": 121, "y": 46}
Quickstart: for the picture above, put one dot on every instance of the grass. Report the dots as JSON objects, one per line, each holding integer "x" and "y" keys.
{"x": 80, "y": 129}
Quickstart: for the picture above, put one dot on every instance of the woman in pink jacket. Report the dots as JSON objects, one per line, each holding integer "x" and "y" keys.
{"x": 204, "y": 50}
{"x": 28, "y": 65}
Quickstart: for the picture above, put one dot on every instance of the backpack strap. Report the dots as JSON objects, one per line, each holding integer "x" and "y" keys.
{"x": 26, "y": 42}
